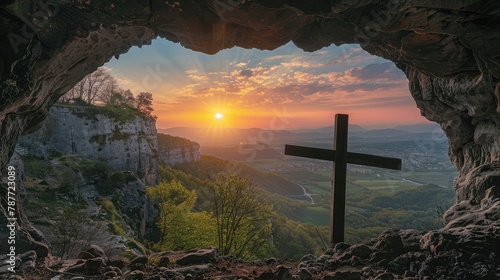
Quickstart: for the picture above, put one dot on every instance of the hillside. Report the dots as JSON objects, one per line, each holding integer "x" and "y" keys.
{"x": 210, "y": 165}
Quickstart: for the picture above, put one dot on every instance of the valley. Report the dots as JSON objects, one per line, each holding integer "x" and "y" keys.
{"x": 372, "y": 193}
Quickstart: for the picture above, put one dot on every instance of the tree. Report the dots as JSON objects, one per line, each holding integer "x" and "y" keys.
{"x": 111, "y": 92}
{"x": 74, "y": 232}
{"x": 92, "y": 87}
{"x": 180, "y": 228}
{"x": 242, "y": 217}
{"x": 144, "y": 102}
{"x": 101, "y": 88}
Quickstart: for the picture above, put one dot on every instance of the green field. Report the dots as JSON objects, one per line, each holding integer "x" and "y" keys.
{"x": 441, "y": 178}
{"x": 316, "y": 215}
{"x": 375, "y": 198}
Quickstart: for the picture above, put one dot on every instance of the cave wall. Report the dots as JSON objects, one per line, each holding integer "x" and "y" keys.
{"x": 448, "y": 50}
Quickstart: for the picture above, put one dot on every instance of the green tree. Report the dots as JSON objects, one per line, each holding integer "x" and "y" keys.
{"x": 180, "y": 228}
{"x": 242, "y": 216}
{"x": 144, "y": 102}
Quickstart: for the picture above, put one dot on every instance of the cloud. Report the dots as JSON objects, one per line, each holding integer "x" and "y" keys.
{"x": 198, "y": 77}
{"x": 352, "y": 57}
{"x": 301, "y": 64}
{"x": 191, "y": 71}
{"x": 386, "y": 70}
{"x": 241, "y": 64}
{"x": 294, "y": 80}
{"x": 246, "y": 73}
{"x": 369, "y": 86}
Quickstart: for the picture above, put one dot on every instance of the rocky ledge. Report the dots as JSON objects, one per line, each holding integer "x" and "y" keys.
{"x": 471, "y": 253}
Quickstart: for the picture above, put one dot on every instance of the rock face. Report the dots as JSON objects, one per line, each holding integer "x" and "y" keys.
{"x": 449, "y": 51}
{"x": 173, "y": 150}
{"x": 180, "y": 155}
{"x": 125, "y": 145}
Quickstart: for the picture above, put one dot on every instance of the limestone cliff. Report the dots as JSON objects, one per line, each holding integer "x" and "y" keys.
{"x": 173, "y": 150}
{"x": 123, "y": 144}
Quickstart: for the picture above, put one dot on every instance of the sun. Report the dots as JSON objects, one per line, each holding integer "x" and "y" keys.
{"x": 219, "y": 116}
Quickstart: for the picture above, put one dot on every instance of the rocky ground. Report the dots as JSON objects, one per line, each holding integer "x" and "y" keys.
{"x": 471, "y": 253}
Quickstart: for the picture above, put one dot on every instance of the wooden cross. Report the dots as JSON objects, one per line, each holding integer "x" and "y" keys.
{"x": 340, "y": 156}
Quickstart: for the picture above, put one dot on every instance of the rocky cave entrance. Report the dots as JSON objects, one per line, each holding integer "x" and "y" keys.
{"x": 451, "y": 61}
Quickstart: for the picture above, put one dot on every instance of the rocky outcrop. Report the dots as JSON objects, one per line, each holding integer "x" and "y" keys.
{"x": 123, "y": 144}
{"x": 394, "y": 254}
{"x": 173, "y": 150}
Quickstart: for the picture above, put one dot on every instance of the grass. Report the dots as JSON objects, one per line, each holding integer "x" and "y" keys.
{"x": 37, "y": 168}
{"x": 116, "y": 227}
{"x": 441, "y": 178}
{"x": 383, "y": 187}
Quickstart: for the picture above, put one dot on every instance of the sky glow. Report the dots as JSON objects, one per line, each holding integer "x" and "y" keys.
{"x": 251, "y": 87}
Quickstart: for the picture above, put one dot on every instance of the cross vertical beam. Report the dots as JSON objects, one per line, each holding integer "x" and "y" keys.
{"x": 337, "y": 217}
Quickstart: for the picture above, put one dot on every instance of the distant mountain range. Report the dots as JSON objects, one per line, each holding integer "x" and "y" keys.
{"x": 231, "y": 137}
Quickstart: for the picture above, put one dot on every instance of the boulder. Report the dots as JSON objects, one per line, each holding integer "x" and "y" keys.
{"x": 93, "y": 252}
{"x": 199, "y": 257}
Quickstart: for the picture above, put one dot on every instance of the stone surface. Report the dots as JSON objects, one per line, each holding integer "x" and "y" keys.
{"x": 440, "y": 255}
{"x": 93, "y": 252}
{"x": 129, "y": 145}
{"x": 199, "y": 257}
{"x": 174, "y": 150}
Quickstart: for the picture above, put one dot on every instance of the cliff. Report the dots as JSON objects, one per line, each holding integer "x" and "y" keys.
{"x": 124, "y": 143}
{"x": 174, "y": 150}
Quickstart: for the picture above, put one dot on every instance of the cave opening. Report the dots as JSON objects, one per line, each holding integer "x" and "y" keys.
{"x": 446, "y": 50}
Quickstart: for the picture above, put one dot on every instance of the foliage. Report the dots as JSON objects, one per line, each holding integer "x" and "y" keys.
{"x": 293, "y": 239}
{"x": 101, "y": 88}
{"x": 167, "y": 173}
{"x": 242, "y": 216}
{"x": 288, "y": 238}
{"x": 66, "y": 178}
{"x": 100, "y": 139}
{"x": 116, "y": 225}
{"x": 121, "y": 113}
{"x": 169, "y": 141}
{"x": 36, "y": 168}
{"x": 210, "y": 166}
{"x": 180, "y": 228}
{"x": 115, "y": 181}
{"x": 144, "y": 103}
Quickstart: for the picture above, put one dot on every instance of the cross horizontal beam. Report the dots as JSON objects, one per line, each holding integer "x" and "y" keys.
{"x": 353, "y": 158}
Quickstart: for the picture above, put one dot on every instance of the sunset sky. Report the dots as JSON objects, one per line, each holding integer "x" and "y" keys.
{"x": 252, "y": 88}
